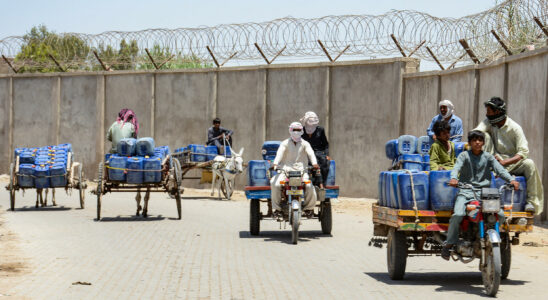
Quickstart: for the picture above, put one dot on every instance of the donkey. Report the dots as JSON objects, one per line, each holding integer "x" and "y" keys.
{"x": 226, "y": 169}
{"x": 43, "y": 201}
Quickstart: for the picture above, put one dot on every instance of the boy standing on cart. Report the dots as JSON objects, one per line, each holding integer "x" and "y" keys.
{"x": 472, "y": 167}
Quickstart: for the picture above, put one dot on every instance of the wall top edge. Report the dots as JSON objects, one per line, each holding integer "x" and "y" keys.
{"x": 223, "y": 69}
{"x": 496, "y": 63}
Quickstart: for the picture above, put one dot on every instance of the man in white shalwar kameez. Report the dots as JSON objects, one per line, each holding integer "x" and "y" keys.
{"x": 293, "y": 155}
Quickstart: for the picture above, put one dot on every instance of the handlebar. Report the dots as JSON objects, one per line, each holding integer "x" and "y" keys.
{"x": 467, "y": 186}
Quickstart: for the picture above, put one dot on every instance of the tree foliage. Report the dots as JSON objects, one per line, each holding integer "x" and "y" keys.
{"x": 40, "y": 43}
{"x": 75, "y": 54}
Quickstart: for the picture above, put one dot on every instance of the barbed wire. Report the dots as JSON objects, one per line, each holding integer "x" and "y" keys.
{"x": 365, "y": 35}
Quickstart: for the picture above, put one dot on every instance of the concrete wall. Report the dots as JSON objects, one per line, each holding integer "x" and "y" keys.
{"x": 4, "y": 124}
{"x": 183, "y": 108}
{"x": 362, "y": 104}
{"x": 81, "y": 112}
{"x": 241, "y": 106}
{"x": 527, "y": 100}
{"x": 291, "y": 93}
{"x": 420, "y": 103}
{"x": 35, "y": 111}
{"x": 491, "y": 83}
{"x": 365, "y": 113}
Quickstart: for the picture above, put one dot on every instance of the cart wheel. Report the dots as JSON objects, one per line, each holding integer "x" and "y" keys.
{"x": 177, "y": 173}
{"x": 223, "y": 189}
{"x": 12, "y": 186}
{"x": 396, "y": 251}
{"x": 326, "y": 217}
{"x": 255, "y": 217}
{"x": 99, "y": 190}
{"x": 80, "y": 186}
{"x": 505, "y": 255}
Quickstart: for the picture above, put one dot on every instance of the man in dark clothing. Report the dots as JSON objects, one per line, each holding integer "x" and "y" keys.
{"x": 216, "y": 134}
{"x": 315, "y": 135}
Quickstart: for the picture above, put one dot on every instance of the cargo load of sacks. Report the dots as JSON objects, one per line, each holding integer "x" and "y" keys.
{"x": 136, "y": 161}
{"x": 43, "y": 167}
{"x": 202, "y": 153}
{"x": 431, "y": 192}
{"x": 258, "y": 173}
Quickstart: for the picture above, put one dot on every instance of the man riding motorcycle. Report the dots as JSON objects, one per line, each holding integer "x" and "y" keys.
{"x": 293, "y": 155}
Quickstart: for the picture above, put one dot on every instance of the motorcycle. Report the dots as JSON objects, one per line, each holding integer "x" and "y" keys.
{"x": 480, "y": 236}
{"x": 293, "y": 195}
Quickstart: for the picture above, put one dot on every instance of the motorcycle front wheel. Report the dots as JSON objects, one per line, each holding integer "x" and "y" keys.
{"x": 491, "y": 271}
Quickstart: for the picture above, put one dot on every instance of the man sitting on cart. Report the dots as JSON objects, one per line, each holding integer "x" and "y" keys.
{"x": 472, "y": 167}
{"x": 507, "y": 142}
{"x": 216, "y": 134}
{"x": 293, "y": 155}
{"x": 125, "y": 126}
{"x": 315, "y": 136}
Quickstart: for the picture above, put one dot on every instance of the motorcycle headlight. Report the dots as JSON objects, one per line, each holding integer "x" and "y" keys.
{"x": 490, "y": 206}
{"x": 295, "y": 181}
{"x": 522, "y": 221}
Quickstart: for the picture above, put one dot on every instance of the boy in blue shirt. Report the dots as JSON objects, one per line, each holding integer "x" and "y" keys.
{"x": 472, "y": 167}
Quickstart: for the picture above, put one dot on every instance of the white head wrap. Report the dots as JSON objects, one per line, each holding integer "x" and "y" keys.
{"x": 296, "y": 135}
{"x": 450, "y": 108}
{"x": 310, "y": 121}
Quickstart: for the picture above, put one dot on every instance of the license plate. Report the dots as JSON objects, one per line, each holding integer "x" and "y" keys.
{"x": 295, "y": 192}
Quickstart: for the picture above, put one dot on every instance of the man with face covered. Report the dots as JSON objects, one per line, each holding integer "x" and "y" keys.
{"x": 447, "y": 113}
{"x": 293, "y": 155}
{"x": 505, "y": 140}
{"x": 315, "y": 135}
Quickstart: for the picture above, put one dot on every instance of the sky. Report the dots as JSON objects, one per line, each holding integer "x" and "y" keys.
{"x": 92, "y": 17}
{"x": 19, "y": 16}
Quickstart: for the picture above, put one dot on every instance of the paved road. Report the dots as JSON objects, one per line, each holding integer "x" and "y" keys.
{"x": 209, "y": 254}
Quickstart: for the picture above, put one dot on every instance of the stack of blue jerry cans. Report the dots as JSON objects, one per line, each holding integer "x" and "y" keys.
{"x": 43, "y": 167}
{"x": 137, "y": 161}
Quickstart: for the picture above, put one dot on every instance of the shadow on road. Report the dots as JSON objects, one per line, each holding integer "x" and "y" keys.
{"x": 203, "y": 198}
{"x": 131, "y": 219}
{"x": 284, "y": 236}
{"x": 466, "y": 282}
{"x": 47, "y": 208}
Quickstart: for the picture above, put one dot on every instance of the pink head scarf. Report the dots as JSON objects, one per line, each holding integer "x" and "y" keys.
{"x": 128, "y": 115}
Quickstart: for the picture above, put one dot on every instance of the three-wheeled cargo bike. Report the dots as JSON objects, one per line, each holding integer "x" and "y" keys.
{"x": 415, "y": 232}
{"x": 292, "y": 198}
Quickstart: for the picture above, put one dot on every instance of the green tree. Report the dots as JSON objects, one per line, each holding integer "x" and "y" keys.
{"x": 70, "y": 50}
{"x": 172, "y": 61}
{"x": 127, "y": 56}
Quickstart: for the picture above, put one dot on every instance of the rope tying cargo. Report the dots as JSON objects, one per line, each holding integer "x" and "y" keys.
{"x": 45, "y": 176}
{"x": 132, "y": 170}
{"x": 415, "y": 207}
